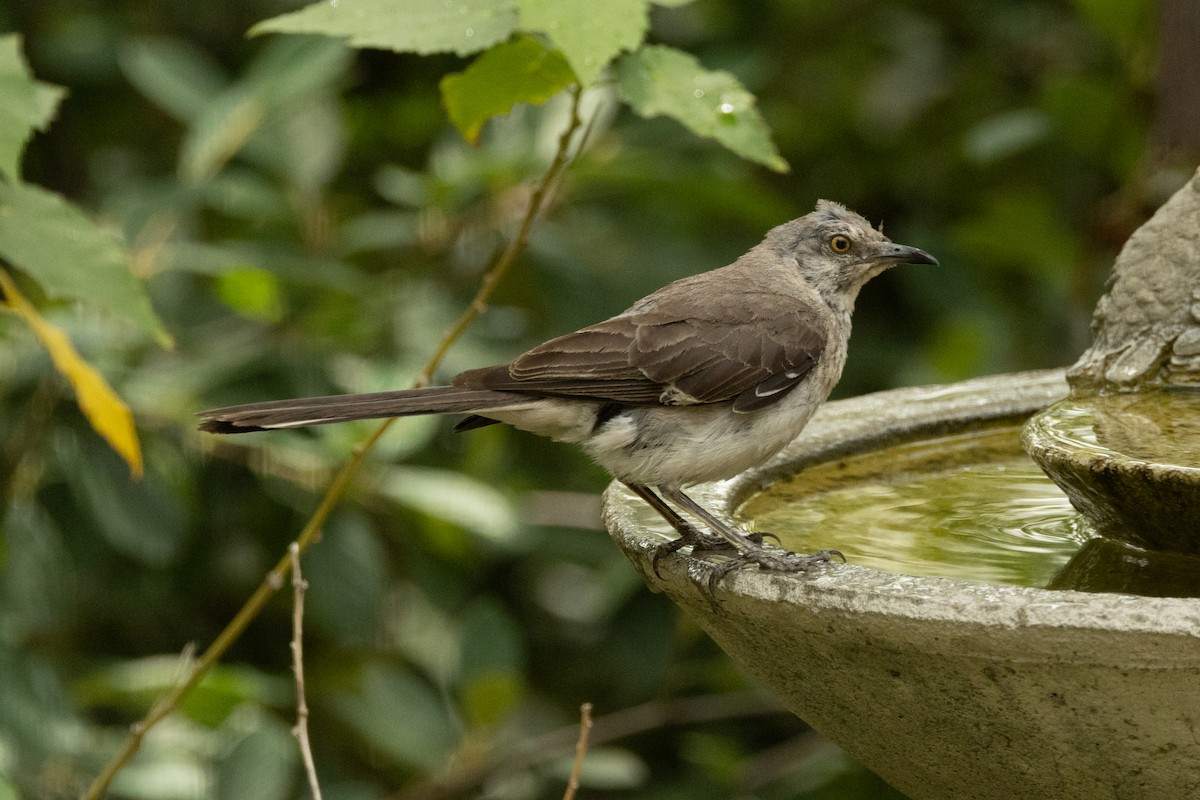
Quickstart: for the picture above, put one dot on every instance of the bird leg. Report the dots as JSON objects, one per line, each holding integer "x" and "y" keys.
{"x": 749, "y": 547}
{"x": 688, "y": 533}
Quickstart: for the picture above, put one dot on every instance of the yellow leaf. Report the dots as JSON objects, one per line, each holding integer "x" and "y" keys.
{"x": 106, "y": 413}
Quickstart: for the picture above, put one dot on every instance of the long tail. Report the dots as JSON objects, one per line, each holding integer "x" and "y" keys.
{"x": 344, "y": 407}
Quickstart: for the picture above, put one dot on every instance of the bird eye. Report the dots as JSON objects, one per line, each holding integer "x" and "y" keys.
{"x": 839, "y": 244}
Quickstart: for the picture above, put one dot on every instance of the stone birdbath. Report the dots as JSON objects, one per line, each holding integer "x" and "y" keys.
{"x": 990, "y": 654}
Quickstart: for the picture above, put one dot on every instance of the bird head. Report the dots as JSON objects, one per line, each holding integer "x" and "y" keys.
{"x": 838, "y": 250}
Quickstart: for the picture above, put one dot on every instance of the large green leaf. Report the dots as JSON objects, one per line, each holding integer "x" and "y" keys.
{"x": 26, "y": 105}
{"x": 406, "y": 26}
{"x": 589, "y": 33}
{"x": 522, "y": 71}
{"x": 662, "y": 81}
{"x": 69, "y": 255}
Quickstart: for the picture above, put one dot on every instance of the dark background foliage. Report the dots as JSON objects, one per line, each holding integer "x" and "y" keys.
{"x": 463, "y": 602}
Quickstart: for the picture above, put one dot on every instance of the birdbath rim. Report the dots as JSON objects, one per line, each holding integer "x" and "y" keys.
{"x": 896, "y": 415}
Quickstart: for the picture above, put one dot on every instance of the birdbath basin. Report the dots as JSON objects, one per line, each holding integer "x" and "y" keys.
{"x": 953, "y": 687}
{"x": 1130, "y": 461}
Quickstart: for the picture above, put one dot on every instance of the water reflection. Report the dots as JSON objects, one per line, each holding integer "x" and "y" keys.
{"x": 970, "y": 506}
{"x": 1158, "y": 427}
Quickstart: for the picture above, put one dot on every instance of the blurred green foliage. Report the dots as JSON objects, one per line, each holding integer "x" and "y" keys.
{"x": 306, "y": 221}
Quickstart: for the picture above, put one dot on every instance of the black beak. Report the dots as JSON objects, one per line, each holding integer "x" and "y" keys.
{"x": 903, "y": 254}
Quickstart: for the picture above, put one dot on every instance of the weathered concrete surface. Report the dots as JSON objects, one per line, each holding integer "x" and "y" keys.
{"x": 948, "y": 689}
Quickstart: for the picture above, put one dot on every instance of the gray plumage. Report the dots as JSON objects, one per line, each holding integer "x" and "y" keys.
{"x": 698, "y": 381}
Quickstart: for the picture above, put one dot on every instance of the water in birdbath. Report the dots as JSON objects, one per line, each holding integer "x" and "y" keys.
{"x": 970, "y": 505}
{"x": 1156, "y": 426}
{"x": 1129, "y": 461}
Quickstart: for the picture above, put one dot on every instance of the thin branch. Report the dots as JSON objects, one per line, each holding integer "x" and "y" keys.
{"x": 608, "y": 728}
{"x": 581, "y": 745}
{"x": 500, "y": 268}
{"x": 271, "y": 584}
{"x": 300, "y": 731}
{"x": 274, "y": 579}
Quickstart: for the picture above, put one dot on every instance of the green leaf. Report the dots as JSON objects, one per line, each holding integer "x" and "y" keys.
{"x": 491, "y": 641}
{"x": 488, "y": 698}
{"x": 252, "y": 292}
{"x": 144, "y": 520}
{"x": 259, "y": 765}
{"x": 606, "y": 768}
{"x": 1005, "y": 134}
{"x": 405, "y": 26}
{"x": 175, "y": 75}
{"x": 135, "y": 684}
{"x": 1125, "y": 24}
{"x": 662, "y": 81}
{"x": 492, "y": 657}
{"x": 275, "y": 115}
{"x": 397, "y": 714}
{"x": 590, "y": 34}
{"x": 69, "y": 255}
{"x": 105, "y": 411}
{"x": 523, "y": 71}
{"x": 26, "y": 105}
{"x": 453, "y": 497}
{"x": 348, "y": 582}
{"x": 219, "y": 132}
{"x": 297, "y": 67}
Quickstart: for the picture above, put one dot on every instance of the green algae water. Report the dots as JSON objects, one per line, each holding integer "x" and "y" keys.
{"x": 1153, "y": 426}
{"x": 970, "y": 506}
{"x": 1129, "y": 461}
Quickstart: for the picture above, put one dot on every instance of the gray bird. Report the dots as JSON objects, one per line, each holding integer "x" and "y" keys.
{"x": 699, "y": 381}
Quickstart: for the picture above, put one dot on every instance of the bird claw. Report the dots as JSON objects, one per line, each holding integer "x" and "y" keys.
{"x": 698, "y": 540}
{"x": 783, "y": 561}
{"x": 758, "y": 536}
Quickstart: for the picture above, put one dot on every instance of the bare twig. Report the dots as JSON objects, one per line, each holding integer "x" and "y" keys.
{"x": 487, "y": 285}
{"x": 505, "y": 760}
{"x": 274, "y": 579}
{"x": 246, "y": 614}
{"x": 300, "y": 731}
{"x": 581, "y": 745}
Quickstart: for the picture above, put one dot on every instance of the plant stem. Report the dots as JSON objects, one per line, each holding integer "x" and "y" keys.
{"x": 301, "y": 728}
{"x": 275, "y": 579}
{"x": 491, "y": 278}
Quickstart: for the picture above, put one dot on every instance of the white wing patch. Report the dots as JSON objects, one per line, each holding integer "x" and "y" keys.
{"x": 761, "y": 391}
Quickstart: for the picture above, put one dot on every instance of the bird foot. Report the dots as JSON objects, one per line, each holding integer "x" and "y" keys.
{"x": 773, "y": 560}
{"x": 701, "y": 541}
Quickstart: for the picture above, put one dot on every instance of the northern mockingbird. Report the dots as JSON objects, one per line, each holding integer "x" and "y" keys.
{"x": 704, "y": 378}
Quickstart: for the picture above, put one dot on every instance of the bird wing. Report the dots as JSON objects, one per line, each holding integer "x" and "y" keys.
{"x": 751, "y": 348}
